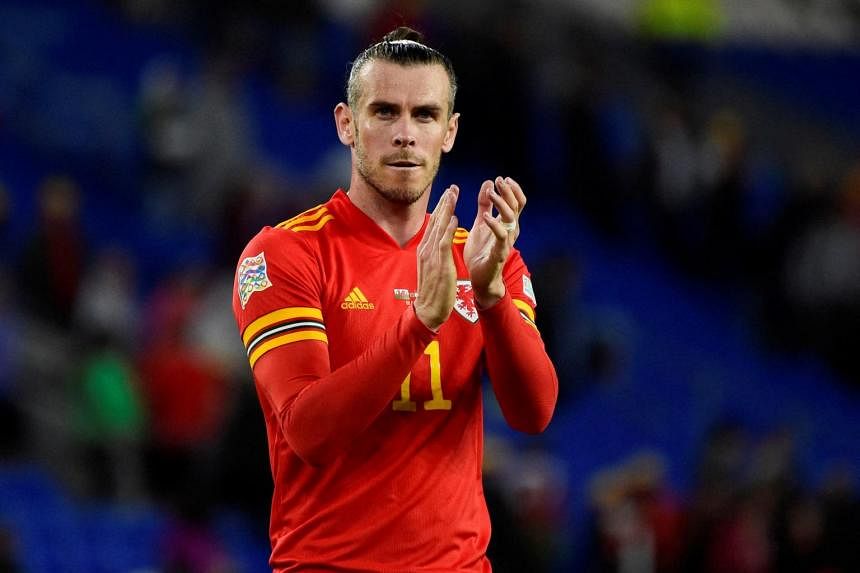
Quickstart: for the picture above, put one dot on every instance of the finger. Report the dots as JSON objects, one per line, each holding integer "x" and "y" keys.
{"x": 507, "y": 193}
{"x": 505, "y": 209}
{"x": 446, "y": 207}
{"x": 431, "y": 232}
{"x": 455, "y": 195}
{"x": 497, "y": 227}
{"x": 447, "y": 240}
{"x": 485, "y": 204}
{"x": 518, "y": 193}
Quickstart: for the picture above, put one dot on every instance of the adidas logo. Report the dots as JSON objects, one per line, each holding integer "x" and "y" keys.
{"x": 356, "y": 300}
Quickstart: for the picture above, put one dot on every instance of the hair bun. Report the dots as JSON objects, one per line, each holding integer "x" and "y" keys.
{"x": 404, "y": 33}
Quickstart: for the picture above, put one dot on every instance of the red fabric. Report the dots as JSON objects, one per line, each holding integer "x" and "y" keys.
{"x": 360, "y": 483}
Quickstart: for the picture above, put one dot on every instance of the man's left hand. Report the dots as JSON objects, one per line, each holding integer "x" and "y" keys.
{"x": 491, "y": 238}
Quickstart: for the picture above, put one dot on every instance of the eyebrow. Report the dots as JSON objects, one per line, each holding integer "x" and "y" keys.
{"x": 427, "y": 107}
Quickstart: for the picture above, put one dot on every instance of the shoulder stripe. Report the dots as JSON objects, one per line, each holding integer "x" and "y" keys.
{"x": 278, "y": 316}
{"x": 315, "y": 227}
{"x": 309, "y": 215}
{"x": 525, "y": 308}
{"x": 460, "y": 236}
{"x": 285, "y": 339}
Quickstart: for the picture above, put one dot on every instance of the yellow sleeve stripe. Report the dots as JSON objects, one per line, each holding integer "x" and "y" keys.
{"x": 457, "y": 241}
{"x": 524, "y": 307}
{"x": 461, "y": 232}
{"x": 309, "y": 215}
{"x": 286, "y": 339}
{"x": 279, "y": 316}
{"x": 315, "y": 227}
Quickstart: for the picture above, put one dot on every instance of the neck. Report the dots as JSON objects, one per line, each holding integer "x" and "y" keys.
{"x": 399, "y": 220}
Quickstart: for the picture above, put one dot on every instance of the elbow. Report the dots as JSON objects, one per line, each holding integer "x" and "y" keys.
{"x": 311, "y": 454}
{"x": 534, "y": 423}
{"x": 309, "y": 442}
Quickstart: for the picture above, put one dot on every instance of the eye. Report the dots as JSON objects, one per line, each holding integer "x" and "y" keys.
{"x": 425, "y": 115}
{"x": 385, "y": 112}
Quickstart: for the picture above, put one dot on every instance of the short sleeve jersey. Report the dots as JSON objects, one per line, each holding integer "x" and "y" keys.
{"x": 407, "y": 494}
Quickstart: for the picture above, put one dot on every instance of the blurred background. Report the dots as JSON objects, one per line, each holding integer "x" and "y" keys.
{"x": 693, "y": 230}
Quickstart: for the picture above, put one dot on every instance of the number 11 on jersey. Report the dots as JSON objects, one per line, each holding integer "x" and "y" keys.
{"x": 405, "y": 404}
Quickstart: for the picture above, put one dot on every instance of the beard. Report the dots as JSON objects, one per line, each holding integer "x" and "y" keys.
{"x": 406, "y": 192}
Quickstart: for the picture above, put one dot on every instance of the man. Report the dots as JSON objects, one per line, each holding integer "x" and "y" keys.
{"x": 368, "y": 325}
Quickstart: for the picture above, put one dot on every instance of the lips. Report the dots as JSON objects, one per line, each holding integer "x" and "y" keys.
{"x": 402, "y": 161}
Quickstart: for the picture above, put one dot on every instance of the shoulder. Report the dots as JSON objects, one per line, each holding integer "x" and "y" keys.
{"x": 296, "y": 233}
{"x": 308, "y": 222}
{"x": 285, "y": 256}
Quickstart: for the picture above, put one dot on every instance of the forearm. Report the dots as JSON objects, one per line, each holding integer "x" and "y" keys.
{"x": 331, "y": 408}
{"x": 522, "y": 375}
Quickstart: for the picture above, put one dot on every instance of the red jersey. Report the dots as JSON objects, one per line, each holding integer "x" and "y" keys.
{"x": 374, "y": 421}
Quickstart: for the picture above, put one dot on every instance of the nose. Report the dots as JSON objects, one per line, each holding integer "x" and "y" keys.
{"x": 403, "y": 136}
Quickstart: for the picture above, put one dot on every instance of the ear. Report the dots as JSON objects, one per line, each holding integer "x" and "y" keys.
{"x": 451, "y": 133}
{"x": 344, "y": 123}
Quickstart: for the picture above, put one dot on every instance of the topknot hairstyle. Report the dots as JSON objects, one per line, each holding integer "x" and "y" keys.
{"x": 406, "y": 47}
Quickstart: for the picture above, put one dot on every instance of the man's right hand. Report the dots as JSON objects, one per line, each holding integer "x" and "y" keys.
{"x": 437, "y": 275}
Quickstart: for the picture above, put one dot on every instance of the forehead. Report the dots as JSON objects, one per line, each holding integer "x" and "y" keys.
{"x": 419, "y": 84}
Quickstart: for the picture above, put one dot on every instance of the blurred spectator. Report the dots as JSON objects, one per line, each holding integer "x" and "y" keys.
{"x": 108, "y": 301}
{"x": 822, "y": 277}
{"x": 742, "y": 542}
{"x": 637, "y": 519}
{"x": 723, "y": 174}
{"x": 514, "y": 545}
{"x": 800, "y": 537}
{"x": 537, "y": 487}
{"x": 111, "y": 422}
{"x": 54, "y": 256}
{"x": 680, "y": 200}
{"x": 197, "y": 139}
{"x": 223, "y": 130}
{"x": 718, "y": 476}
{"x": 184, "y": 390}
{"x": 170, "y": 141}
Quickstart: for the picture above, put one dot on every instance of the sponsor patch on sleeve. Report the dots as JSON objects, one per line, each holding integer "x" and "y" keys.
{"x": 528, "y": 289}
{"x": 252, "y": 277}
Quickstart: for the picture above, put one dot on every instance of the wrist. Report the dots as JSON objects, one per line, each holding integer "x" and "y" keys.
{"x": 426, "y": 319}
{"x": 485, "y": 298}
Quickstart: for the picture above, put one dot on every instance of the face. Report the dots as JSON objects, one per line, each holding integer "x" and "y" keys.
{"x": 399, "y": 129}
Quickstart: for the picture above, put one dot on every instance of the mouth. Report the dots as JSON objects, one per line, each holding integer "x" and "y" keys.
{"x": 403, "y": 164}
{"x": 402, "y": 161}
